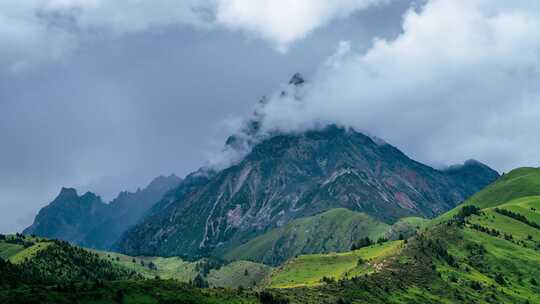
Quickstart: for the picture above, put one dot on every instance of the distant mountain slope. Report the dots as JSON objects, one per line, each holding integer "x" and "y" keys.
{"x": 68, "y": 217}
{"x": 87, "y": 221}
{"x": 336, "y": 230}
{"x": 289, "y": 176}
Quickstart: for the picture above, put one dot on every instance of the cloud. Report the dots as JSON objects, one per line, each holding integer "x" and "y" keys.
{"x": 35, "y": 31}
{"x": 283, "y": 21}
{"x": 462, "y": 81}
{"x": 26, "y": 38}
{"x": 128, "y": 16}
{"x": 32, "y": 31}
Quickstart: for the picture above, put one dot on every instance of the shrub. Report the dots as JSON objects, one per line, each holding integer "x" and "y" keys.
{"x": 499, "y": 278}
{"x": 364, "y": 242}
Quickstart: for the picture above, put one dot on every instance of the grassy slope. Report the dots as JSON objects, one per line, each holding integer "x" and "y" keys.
{"x": 230, "y": 275}
{"x": 518, "y": 183}
{"x": 449, "y": 262}
{"x": 8, "y": 250}
{"x": 239, "y": 273}
{"x": 309, "y": 270}
{"x": 17, "y": 253}
{"x": 332, "y": 231}
{"x": 29, "y": 253}
{"x": 167, "y": 268}
{"x": 406, "y": 227}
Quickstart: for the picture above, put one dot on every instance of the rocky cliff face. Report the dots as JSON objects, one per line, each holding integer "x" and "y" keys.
{"x": 87, "y": 221}
{"x": 68, "y": 217}
{"x": 289, "y": 176}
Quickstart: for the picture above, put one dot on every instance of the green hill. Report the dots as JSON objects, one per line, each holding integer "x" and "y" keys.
{"x": 311, "y": 270}
{"x": 521, "y": 182}
{"x": 406, "y": 227}
{"x": 216, "y": 273}
{"x": 333, "y": 231}
{"x": 31, "y": 260}
{"x": 518, "y": 183}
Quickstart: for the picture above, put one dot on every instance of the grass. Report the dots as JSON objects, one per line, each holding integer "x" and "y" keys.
{"x": 333, "y": 231}
{"x": 7, "y": 250}
{"x": 309, "y": 270}
{"x": 17, "y": 253}
{"x": 522, "y": 182}
{"x": 28, "y": 253}
{"x": 166, "y": 268}
{"x": 519, "y": 183}
{"x": 406, "y": 227}
{"x": 239, "y": 273}
{"x": 231, "y": 275}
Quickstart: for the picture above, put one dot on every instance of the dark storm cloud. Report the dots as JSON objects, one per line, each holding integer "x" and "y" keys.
{"x": 107, "y": 111}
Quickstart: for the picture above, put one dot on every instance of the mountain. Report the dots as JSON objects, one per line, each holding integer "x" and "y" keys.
{"x": 295, "y": 175}
{"x": 87, "y": 221}
{"x": 68, "y": 217}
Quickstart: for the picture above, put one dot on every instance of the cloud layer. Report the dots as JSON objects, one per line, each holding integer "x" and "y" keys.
{"x": 283, "y": 21}
{"x": 35, "y": 30}
{"x": 462, "y": 81}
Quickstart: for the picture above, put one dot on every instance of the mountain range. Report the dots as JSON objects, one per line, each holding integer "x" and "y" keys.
{"x": 87, "y": 221}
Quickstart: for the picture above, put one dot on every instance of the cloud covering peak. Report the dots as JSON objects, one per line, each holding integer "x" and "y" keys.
{"x": 460, "y": 82}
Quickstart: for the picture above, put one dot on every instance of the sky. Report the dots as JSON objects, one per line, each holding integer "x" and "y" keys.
{"x": 105, "y": 95}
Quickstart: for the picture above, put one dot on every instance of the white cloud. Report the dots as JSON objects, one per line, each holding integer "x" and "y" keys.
{"x": 25, "y": 38}
{"x": 462, "y": 81}
{"x": 284, "y": 21}
{"x": 29, "y": 33}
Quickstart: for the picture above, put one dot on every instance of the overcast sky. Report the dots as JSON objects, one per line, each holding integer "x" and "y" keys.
{"x": 105, "y": 95}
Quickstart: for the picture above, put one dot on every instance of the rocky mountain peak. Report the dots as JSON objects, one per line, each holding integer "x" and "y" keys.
{"x": 67, "y": 193}
{"x": 297, "y": 79}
